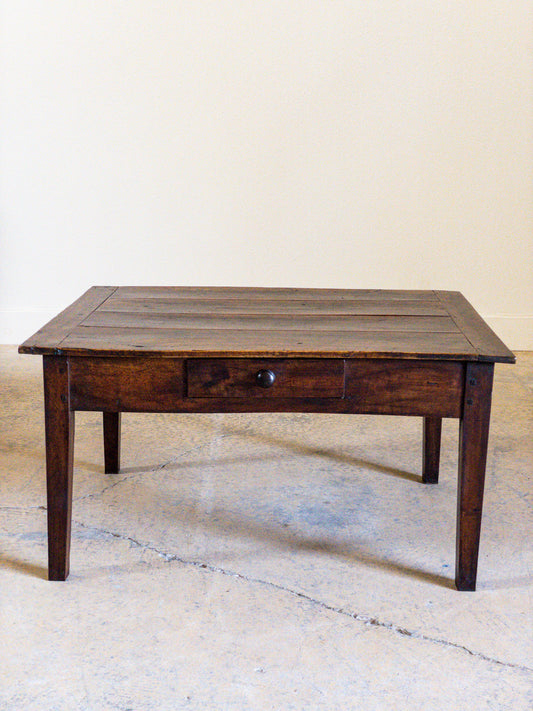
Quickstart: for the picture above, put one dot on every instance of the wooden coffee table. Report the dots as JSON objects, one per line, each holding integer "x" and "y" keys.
{"x": 184, "y": 349}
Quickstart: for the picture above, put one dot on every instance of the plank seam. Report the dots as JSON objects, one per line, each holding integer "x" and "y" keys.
{"x": 258, "y": 330}
{"x": 448, "y": 311}
{"x": 86, "y": 316}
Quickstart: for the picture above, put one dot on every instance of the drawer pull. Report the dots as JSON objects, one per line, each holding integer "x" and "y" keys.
{"x": 265, "y": 378}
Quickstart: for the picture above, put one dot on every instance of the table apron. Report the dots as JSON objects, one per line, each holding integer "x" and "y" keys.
{"x": 372, "y": 386}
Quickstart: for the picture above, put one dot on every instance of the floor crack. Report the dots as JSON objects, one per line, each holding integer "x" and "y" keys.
{"x": 364, "y": 619}
{"x": 22, "y": 509}
{"x": 152, "y": 470}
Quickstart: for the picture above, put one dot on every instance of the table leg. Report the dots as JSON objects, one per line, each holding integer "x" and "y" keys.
{"x": 473, "y": 439}
{"x": 59, "y": 429}
{"x": 112, "y": 442}
{"x": 431, "y": 453}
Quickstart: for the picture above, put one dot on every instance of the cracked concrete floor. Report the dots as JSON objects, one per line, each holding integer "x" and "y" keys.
{"x": 264, "y": 562}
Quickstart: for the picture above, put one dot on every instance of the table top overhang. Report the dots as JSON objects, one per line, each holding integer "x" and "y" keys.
{"x": 269, "y": 322}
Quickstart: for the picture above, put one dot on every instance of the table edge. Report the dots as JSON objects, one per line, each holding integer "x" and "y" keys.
{"x": 87, "y": 353}
{"x": 487, "y": 346}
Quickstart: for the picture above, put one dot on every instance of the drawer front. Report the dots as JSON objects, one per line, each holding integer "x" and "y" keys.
{"x": 406, "y": 387}
{"x": 265, "y": 378}
{"x": 126, "y": 384}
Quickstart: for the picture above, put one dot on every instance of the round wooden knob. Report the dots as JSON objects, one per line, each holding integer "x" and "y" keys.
{"x": 265, "y": 378}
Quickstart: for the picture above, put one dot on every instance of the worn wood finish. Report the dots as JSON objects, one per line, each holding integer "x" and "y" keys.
{"x": 431, "y": 449}
{"x": 247, "y": 322}
{"x": 127, "y": 384}
{"x": 111, "y": 422}
{"x": 49, "y": 337}
{"x": 406, "y": 387}
{"x": 198, "y": 349}
{"x": 281, "y": 293}
{"x": 243, "y": 343}
{"x": 59, "y": 428}
{"x": 300, "y": 307}
{"x": 372, "y": 387}
{"x": 238, "y": 377}
{"x": 487, "y": 344}
{"x": 473, "y": 439}
{"x": 276, "y": 322}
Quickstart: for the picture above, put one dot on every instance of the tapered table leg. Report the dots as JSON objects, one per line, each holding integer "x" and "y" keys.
{"x": 431, "y": 453}
{"x": 112, "y": 442}
{"x": 59, "y": 428}
{"x": 473, "y": 439}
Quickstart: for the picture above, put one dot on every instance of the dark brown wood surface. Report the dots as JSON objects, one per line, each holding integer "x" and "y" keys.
{"x": 399, "y": 384}
{"x": 487, "y": 344}
{"x": 473, "y": 440}
{"x": 241, "y": 343}
{"x": 59, "y": 427}
{"x": 260, "y": 322}
{"x": 111, "y": 423}
{"x": 431, "y": 436}
{"x": 127, "y": 384}
{"x": 48, "y": 338}
{"x": 149, "y": 384}
{"x": 275, "y": 307}
{"x": 291, "y": 377}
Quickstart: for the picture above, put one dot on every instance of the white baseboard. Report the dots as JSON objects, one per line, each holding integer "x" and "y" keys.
{"x": 17, "y": 325}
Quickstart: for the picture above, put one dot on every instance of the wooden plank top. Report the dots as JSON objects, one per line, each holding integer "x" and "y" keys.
{"x": 269, "y": 322}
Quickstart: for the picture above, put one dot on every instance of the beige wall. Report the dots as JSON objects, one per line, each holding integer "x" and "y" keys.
{"x": 256, "y": 142}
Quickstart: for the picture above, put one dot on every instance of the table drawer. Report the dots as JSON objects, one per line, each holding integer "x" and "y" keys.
{"x": 272, "y": 377}
{"x": 406, "y": 387}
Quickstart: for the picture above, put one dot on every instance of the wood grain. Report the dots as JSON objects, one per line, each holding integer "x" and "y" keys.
{"x": 251, "y": 343}
{"x": 126, "y": 384}
{"x": 431, "y": 437}
{"x": 275, "y": 307}
{"x": 48, "y": 338}
{"x": 267, "y": 322}
{"x": 59, "y": 428}
{"x": 473, "y": 440}
{"x": 277, "y": 322}
{"x": 253, "y": 293}
{"x": 406, "y": 387}
{"x": 293, "y": 377}
{"x": 487, "y": 344}
{"x": 111, "y": 424}
{"x": 152, "y": 384}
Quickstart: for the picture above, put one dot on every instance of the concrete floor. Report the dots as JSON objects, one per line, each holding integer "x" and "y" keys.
{"x": 264, "y": 562}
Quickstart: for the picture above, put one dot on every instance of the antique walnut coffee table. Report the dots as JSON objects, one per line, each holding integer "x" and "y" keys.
{"x": 184, "y": 349}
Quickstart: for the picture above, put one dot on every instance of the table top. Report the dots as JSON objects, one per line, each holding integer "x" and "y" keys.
{"x": 269, "y": 322}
